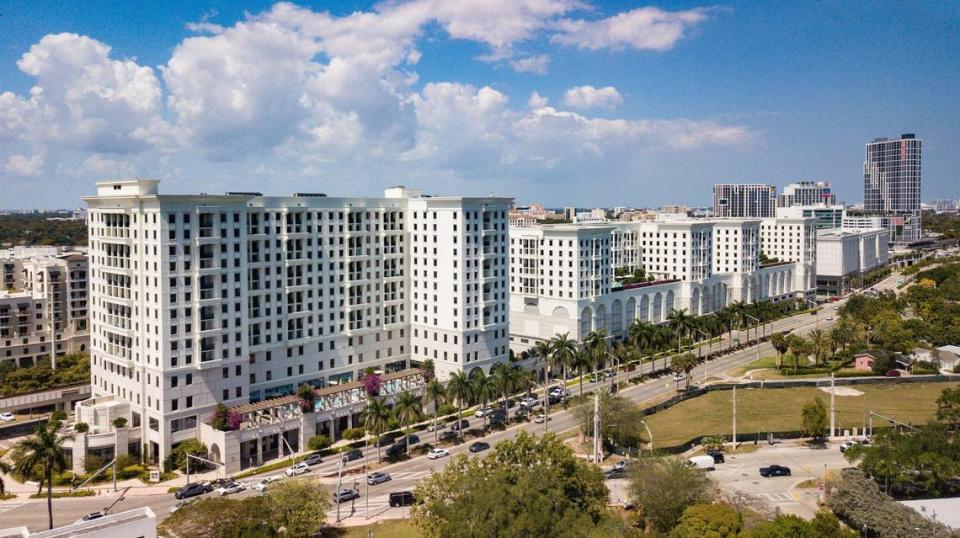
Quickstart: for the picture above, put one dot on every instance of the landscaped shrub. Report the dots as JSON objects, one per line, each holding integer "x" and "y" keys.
{"x": 318, "y": 442}
{"x": 353, "y": 434}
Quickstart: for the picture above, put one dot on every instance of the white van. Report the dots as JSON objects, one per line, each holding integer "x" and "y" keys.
{"x": 702, "y": 462}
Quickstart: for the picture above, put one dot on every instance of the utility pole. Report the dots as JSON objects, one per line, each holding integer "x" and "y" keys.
{"x": 833, "y": 406}
{"x": 596, "y": 426}
{"x": 339, "y": 483}
{"x": 734, "y": 417}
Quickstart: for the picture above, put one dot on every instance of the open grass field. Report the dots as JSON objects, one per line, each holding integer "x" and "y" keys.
{"x": 763, "y": 410}
{"x": 396, "y": 528}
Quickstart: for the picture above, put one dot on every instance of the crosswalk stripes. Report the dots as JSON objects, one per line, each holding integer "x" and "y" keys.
{"x": 774, "y": 497}
{"x": 6, "y": 507}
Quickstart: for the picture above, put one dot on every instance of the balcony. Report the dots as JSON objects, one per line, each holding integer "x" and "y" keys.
{"x": 209, "y": 325}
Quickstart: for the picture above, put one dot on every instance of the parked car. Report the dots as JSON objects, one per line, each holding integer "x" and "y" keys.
{"x": 479, "y": 446}
{"x": 7, "y": 417}
{"x": 262, "y": 485}
{"x": 774, "y": 470}
{"x": 497, "y": 417}
{"x": 437, "y": 453}
{"x": 354, "y": 454}
{"x": 616, "y": 472}
{"x": 447, "y": 435}
{"x": 523, "y": 412}
{"x": 313, "y": 459}
{"x": 299, "y": 468}
{"x": 705, "y": 463}
{"x": 529, "y": 402}
{"x": 558, "y": 391}
{"x": 190, "y": 490}
{"x": 402, "y": 498}
{"x": 231, "y": 488}
{"x": 716, "y": 455}
{"x": 482, "y": 412}
{"x": 462, "y": 424}
{"x": 541, "y": 418}
{"x": 396, "y": 449}
{"x": 554, "y": 400}
{"x": 377, "y": 478}
{"x": 345, "y": 495}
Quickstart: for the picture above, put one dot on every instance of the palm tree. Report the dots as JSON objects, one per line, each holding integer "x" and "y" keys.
{"x": 798, "y": 346}
{"x": 835, "y": 342}
{"x": 44, "y": 448}
{"x": 818, "y": 342}
{"x": 561, "y": 351}
{"x": 681, "y": 323}
{"x": 596, "y": 343}
{"x": 376, "y": 419}
{"x": 459, "y": 390}
{"x": 434, "y": 394}
{"x": 484, "y": 389}
{"x": 684, "y": 363}
{"x": 581, "y": 362}
{"x": 408, "y": 409}
{"x": 507, "y": 378}
{"x": 779, "y": 343}
{"x": 5, "y": 468}
{"x": 542, "y": 351}
{"x": 727, "y": 320}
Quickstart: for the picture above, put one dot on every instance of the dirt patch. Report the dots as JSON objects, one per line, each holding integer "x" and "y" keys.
{"x": 842, "y": 391}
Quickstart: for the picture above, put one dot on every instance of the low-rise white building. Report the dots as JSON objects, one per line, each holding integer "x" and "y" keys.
{"x": 136, "y": 523}
{"x": 844, "y": 253}
{"x": 564, "y": 278}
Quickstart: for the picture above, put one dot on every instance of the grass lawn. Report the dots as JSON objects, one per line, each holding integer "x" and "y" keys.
{"x": 763, "y": 410}
{"x": 397, "y": 528}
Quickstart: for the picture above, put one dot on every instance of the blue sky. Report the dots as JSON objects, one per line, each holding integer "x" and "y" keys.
{"x": 563, "y": 102}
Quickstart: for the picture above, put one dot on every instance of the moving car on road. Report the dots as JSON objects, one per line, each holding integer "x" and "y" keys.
{"x": 91, "y": 516}
{"x": 479, "y": 446}
{"x": 299, "y": 468}
{"x": 396, "y": 450}
{"x": 541, "y": 418}
{"x": 705, "y": 463}
{"x": 462, "y": 424}
{"x": 7, "y": 417}
{"x": 313, "y": 459}
{"x": 378, "y": 478}
{"x": 227, "y": 489}
{"x": 616, "y": 472}
{"x": 437, "y": 453}
{"x": 480, "y": 413}
{"x": 774, "y": 470}
{"x": 354, "y": 454}
{"x": 190, "y": 490}
{"x": 402, "y": 498}
{"x": 345, "y": 495}
{"x": 447, "y": 435}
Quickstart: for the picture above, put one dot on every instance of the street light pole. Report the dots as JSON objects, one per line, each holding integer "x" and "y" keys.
{"x": 755, "y": 333}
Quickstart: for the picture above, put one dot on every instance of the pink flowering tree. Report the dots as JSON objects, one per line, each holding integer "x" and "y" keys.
{"x": 372, "y": 383}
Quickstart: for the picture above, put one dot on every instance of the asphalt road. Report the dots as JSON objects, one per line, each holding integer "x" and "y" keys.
{"x": 406, "y": 474}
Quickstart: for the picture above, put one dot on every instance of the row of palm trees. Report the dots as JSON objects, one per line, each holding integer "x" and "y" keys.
{"x": 820, "y": 344}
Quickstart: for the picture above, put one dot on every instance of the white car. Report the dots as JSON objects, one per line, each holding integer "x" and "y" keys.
{"x": 262, "y": 485}
{"x": 483, "y": 412}
{"x": 229, "y": 489}
{"x": 541, "y": 418}
{"x": 299, "y": 468}
{"x": 437, "y": 453}
{"x": 829, "y": 318}
{"x": 7, "y": 417}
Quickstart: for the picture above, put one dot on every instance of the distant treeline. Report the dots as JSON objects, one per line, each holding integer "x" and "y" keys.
{"x": 37, "y": 230}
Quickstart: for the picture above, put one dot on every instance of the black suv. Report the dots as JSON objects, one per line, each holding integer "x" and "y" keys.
{"x": 354, "y": 454}
{"x": 385, "y": 440}
{"x": 396, "y": 449}
{"x": 402, "y": 498}
{"x": 479, "y": 446}
{"x": 716, "y": 455}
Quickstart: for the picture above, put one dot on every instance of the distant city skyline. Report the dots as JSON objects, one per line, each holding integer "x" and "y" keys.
{"x": 561, "y": 102}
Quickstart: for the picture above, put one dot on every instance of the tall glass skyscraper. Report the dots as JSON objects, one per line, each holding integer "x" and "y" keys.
{"x": 891, "y": 185}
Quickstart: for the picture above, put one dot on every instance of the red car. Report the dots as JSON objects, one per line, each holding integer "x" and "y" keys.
{"x": 893, "y": 373}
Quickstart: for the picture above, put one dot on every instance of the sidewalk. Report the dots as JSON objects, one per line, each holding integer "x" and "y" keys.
{"x": 137, "y": 487}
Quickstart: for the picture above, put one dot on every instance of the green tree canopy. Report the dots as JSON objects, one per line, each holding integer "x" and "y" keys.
{"x": 619, "y": 420}
{"x": 529, "y": 486}
{"x": 709, "y": 521}
{"x": 814, "y": 418}
{"x": 663, "y": 488}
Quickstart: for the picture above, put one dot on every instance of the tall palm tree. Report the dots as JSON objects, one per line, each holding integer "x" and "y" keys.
{"x": 596, "y": 343}
{"x": 798, "y": 347}
{"x": 781, "y": 345}
{"x": 727, "y": 320}
{"x": 581, "y": 363}
{"x": 459, "y": 390}
{"x": 818, "y": 342}
{"x": 681, "y": 323}
{"x": 542, "y": 350}
{"x": 408, "y": 409}
{"x": 561, "y": 350}
{"x": 484, "y": 389}
{"x": 44, "y": 448}
{"x": 508, "y": 379}
{"x": 376, "y": 418}
{"x": 5, "y": 468}
{"x": 434, "y": 394}
{"x": 641, "y": 334}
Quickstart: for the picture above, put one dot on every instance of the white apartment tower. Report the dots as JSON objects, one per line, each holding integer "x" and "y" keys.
{"x": 807, "y": 193}
{"x": 740, "y": 200}
{"x": 203, "y": 299}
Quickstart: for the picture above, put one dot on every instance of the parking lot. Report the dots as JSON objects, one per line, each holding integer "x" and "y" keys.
{"x": 740, "y": 475}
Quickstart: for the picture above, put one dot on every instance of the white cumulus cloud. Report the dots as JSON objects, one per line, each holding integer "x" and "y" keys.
{"x": 646, "y": 28}
{"x": 24, "y": 166}
{"x": 531, "y": 64}
{"x": 585, "y": 97}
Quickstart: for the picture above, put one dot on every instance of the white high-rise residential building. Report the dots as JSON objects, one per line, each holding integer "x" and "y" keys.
{"x": 43, "y": 304}
{"x": 807, "y": 193}
{"x": 579, "y": 278}
{"x": 741, "y": 200}
{"x": 892, "y": 181}
{"x": 238, "y": 299}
